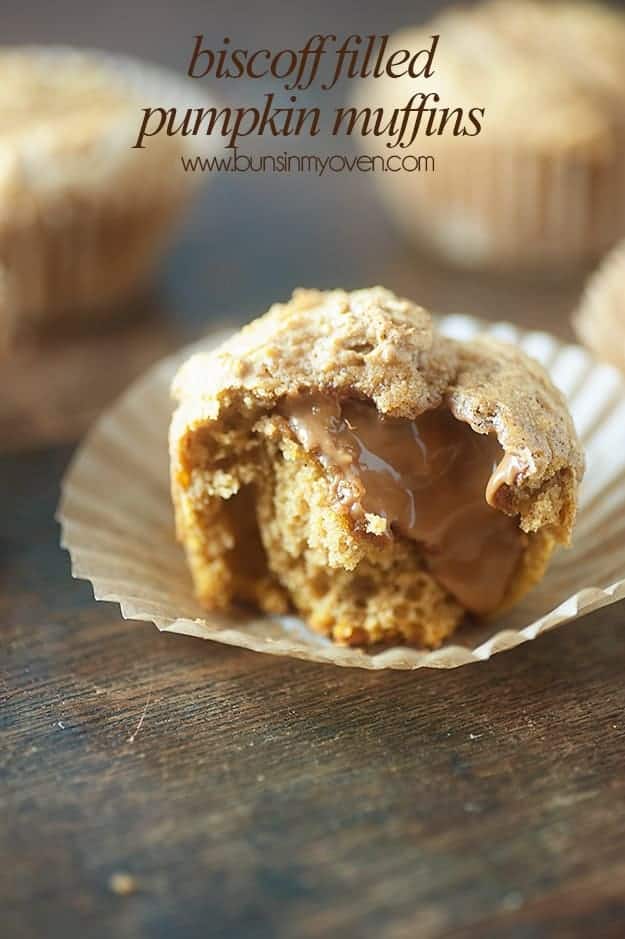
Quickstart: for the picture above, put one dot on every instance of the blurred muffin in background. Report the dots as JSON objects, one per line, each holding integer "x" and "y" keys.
{"x": 600, "y": 319}
{"x": 542, "y": 187}
{"x": 83, "y": 216}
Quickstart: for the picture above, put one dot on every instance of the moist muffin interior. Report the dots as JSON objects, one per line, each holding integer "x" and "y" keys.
{"x": 307, "y": 528}
{"x": 425, "y": 479}
{"x": 283, "y": 515}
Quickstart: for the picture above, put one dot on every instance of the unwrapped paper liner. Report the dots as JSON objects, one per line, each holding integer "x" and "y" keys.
{"x": 117, "y": 522}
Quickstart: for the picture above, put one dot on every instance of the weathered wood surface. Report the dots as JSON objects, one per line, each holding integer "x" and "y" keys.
{"x": 250, "y": 796}
{"x": 255, "y": 796}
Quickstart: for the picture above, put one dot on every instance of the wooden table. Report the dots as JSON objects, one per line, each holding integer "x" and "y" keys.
{"x": 157, "y": 786}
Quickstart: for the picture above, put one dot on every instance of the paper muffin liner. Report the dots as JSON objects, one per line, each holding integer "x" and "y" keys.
{"x": 485, "y": 206}
{"x": 117, "y": 522}
{"x": 492, "y": 202}
{"x": 83, "y": 245}
{"x": 600, "y": 319}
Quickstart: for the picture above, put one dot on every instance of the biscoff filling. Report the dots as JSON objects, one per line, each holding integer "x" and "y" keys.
{"x": 426, "y": 479}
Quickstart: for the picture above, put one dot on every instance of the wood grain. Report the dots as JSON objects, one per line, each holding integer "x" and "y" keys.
{"x": 251, "y": 796}
{"x": 255, "y": 796}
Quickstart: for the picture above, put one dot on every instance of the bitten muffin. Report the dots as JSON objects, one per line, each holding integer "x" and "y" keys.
{"x": 600, "y": 319}
{"x": 340, "y": 457}
{"x": 542, "y": 186}
{"x": 83, "y": 216}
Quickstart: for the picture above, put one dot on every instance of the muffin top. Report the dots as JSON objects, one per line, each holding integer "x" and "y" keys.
{"x": 61, "y": 103}
{"x": 70, "y": 117}
{"x": 371, "y": 345}
{"x": 548, "y": 74}
{"x": 369, "y": 342}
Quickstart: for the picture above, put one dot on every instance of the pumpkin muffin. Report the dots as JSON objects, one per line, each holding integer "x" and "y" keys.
{"x": 340, "y": 457}
{"x": 600, "y": 319}
{"x": 83, "y": 215}
{"x": 542, "y": 186}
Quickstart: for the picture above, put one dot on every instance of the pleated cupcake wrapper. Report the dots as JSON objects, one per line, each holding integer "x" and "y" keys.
{"x": 117, "y": 522}
{"x": 600, "y": 319}
{"x": 83, "y": 248}
{"x": 486, "y": 206}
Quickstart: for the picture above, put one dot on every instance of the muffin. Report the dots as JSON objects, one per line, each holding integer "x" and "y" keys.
{"x": 341, "y": 458}
{"x": 542, "y": 186}
{"x": 83, "y": 216}
{"x": 600, "y": 319}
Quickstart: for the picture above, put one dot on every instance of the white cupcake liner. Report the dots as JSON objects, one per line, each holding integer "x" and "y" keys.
{"x": 94, "y": 228}
{"x": 117, "y": 522}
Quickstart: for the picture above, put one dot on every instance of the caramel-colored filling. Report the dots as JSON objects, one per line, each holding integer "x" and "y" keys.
{"x": 425, "y": 479}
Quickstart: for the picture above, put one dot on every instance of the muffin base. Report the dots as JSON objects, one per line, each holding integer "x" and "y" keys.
{"x": 492, "y": 209}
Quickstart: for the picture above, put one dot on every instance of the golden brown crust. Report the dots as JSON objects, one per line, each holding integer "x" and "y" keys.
{"x": 71, "y": 119}
{"x": 520, "y": 60}
{"x": 368, "y": 343}
{"x": 500, "y": 389}
{"x": 234, "y": 458}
